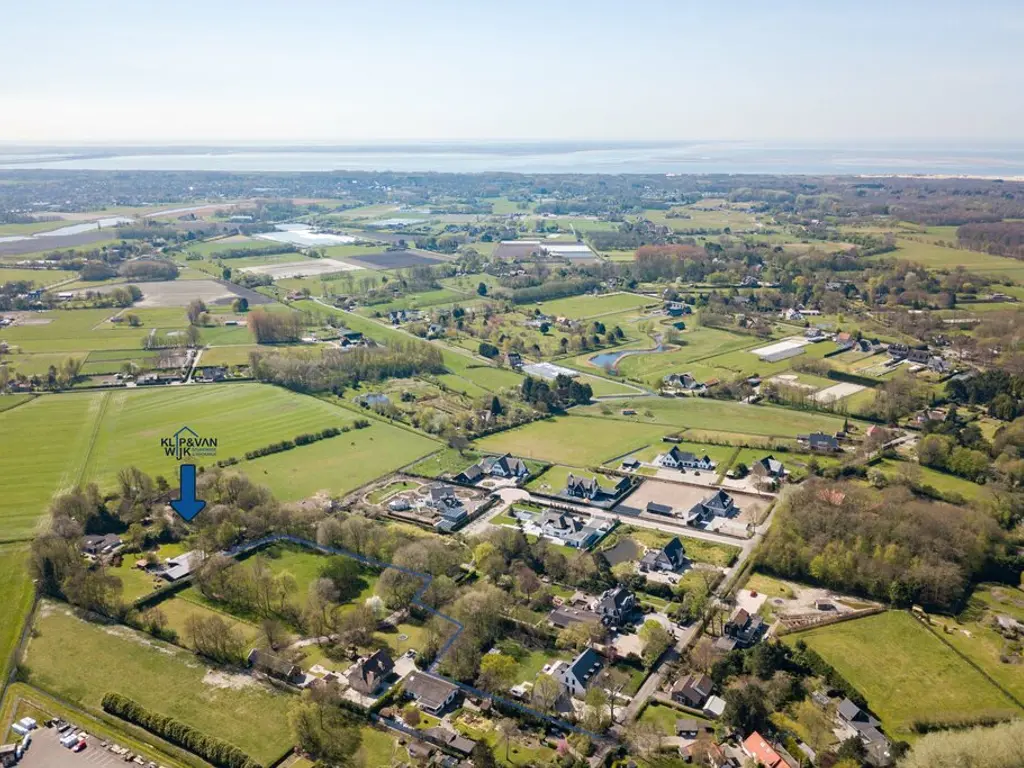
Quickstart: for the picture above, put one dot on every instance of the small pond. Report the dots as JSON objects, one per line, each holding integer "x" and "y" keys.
{"x": 624, "y": 550}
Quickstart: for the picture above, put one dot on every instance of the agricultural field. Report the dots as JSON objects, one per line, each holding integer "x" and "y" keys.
{"x": 60, "y": 429}
{"x": 720, "y": 416}
{"x": 161, "y": 677}
{"x": 233, "y": 354}
{"x": 572, "y": 440}
{"x": 341, "y": 464}
{"x": 416, "y": 301}
{"x": 242, "y": 417}
{"x": 228, "y": 244}
{"x": 245, "y": 417}
{"x": 974, "y": 633}
{"x": 16, "y": 592}
{"x": 905, "y": 672}
{"x": 39, "y": 277}
{"x": 938, "y": 257}
{"x": 580, "y": 307}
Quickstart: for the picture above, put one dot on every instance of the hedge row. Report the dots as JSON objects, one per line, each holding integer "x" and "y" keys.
{"x": 211, "y": 749}
{"x": 823, "y": 669}
{"x": 304, "y": 439}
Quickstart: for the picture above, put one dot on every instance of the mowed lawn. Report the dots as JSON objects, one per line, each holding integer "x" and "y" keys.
{"x": 574, "y": 440}
{"x": 45, "y": 444}
{"x": 589, "y": 306}
{"x": 15, "y": 599}
{"x": 905, "y": 672}
{"x": 161, "y": 677}
{"x": 244, "y": 417}
{"x": 720, "y": 416}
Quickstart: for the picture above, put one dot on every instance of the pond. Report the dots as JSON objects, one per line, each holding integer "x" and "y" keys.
{"x": 611, "y": 360}
{"x": 625, "y": 550}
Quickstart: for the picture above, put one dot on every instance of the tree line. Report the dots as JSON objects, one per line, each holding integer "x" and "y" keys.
{"x": 334, "y": 370}
{"x": 214, "y": 750}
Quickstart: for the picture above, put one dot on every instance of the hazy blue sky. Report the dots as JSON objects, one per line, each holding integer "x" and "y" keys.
{"x": 436, "y": 69}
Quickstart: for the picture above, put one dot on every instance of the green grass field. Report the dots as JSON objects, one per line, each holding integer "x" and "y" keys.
{"x": 10, "y": 401}
{"x": 39, "y": 277}
{"x": 940, "y": 481}
{"x": 571, "y": 440}
{"x": 905, "y": 672}
{"x": 720, "y": 416}
{"x": 159, "y": 676}
{"x": 237, "y": 354}
{"x": 244, "y": 417}
{"x": 577, "y": 307}
{"x": 16, "y": 592}
{"x": 700, "y": 345}
{"x": 447, "y": 460}
{"x": 972, "y": 634}
{"x": 341, "y": 464}
{"x": 937, "y": 257}
{"x": 46, "y": 444}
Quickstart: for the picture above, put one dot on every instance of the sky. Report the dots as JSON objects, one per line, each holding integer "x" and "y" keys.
{"x": 399, "y": 70}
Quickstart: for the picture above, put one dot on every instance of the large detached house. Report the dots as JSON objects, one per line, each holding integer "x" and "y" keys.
{"x": 671, "y": 557}
{"x": 769, "y": 466}
{"x": 505, "y": 466}
{"x": 867, "y": 728}
{"x": 615, "y": 605}
{"x": 741, "y": 631}
{"x": 588, "y": 487}
{"x": 678, "y": 459}
{"x": 568, "y": 529}
{"x": 819, "y": 441}
{"x": 578, "y": 674}
{"x": 718, "y": 504}
{"x": 367, "y": 676}
{"x": 449, "y": 507}
{"x": 684, "y": 381}
{"x": 693, "y": 690}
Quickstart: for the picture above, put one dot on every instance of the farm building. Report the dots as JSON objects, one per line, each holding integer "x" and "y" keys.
{"x": 781, "y": 350}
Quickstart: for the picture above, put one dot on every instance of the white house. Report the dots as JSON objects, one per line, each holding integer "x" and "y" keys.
{"x": 677, "y": 459}
{"x": 578, "y": 674}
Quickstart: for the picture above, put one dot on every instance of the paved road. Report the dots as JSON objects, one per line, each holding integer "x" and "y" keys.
{"x": 690, "y": 633}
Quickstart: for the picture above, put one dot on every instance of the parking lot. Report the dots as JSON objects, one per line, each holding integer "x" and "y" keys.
{"x": 46, "y": 752}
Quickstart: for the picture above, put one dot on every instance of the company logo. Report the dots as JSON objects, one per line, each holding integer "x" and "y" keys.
{"x": 187, "y": 444}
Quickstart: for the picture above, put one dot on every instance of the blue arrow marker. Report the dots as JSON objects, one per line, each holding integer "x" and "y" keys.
{"x": 188, "y": 506}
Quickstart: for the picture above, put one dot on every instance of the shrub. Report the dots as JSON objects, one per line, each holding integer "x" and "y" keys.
{"x": 214, "y": 750}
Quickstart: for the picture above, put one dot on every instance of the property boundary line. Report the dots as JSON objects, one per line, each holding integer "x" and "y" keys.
{"x": 417, "y": 601}
{"x": 1002, "y": 689}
